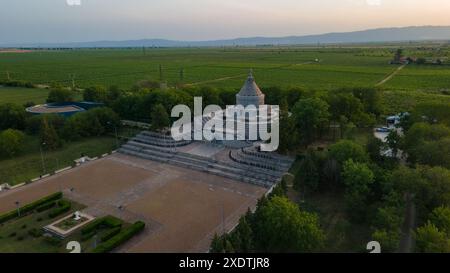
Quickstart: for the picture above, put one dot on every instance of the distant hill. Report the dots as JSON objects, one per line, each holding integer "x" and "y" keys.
{"x": 421, "y": 33}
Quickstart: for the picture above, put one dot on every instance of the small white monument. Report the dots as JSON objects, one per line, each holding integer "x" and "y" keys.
{"x": 77, "y": 216}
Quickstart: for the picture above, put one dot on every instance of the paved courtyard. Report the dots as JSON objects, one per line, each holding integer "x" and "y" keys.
{"x": 182, "y": 208}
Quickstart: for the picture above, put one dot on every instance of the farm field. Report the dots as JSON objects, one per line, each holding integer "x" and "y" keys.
{"x": 312, "y": 68}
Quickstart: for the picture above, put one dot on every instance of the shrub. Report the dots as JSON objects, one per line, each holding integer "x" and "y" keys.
{"x": 87, "y": 236}
{"x": 53, "y": 241}
{"x": 10, "y": 142}
{"x": 63, "y": 207}
{"x": 13, "y": 234}
{"x": 45, "y": 206}
{"x": 120, "y": 238}
{"x": 110, "y": 233}
{"x": 107, "y": 221}
{"x": 36, "y": 233}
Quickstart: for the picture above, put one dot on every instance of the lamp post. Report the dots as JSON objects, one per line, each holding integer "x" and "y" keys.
{"x": 115, "y": 131}
{"x": 18, "y": 208}
{"x": 42, "y": 157}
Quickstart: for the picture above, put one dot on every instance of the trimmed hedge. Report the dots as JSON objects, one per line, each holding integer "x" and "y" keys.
{"x": 63, "y": 207}
{"x": 120, "y": 238}
{"x": 110, "y": 233}
{"x": 46, "y": 206}
{"x": 30, "y": 207}
{"x": 107, "y": 221}
{"x": 87, "y": 236}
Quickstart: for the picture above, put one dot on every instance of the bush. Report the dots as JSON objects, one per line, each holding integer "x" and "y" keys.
{"x": 30, "y": 207}
{"x": 107, "y": 221}
{"x": 120, "y": 238}
{"x": 13, "y": 234}
{"x": 63, "y": 207}
{"x": 45, "y": 206}
{"x": 36, "y": 233}
{"x": 110, "y": 233}
{"x": 60, "y": 95}
{"x": 17, "y": 83}
{"x": 10, "y": 142}
{"x": 53, "y": 241}
{"x": 12, "y": 116}
{"x": 87, "y": 236}
{"x": 94, "y": 122}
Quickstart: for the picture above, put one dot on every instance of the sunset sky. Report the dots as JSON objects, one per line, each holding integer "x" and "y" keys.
{"x": 93, "y": 20}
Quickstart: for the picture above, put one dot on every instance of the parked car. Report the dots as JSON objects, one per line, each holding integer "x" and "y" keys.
{"x": 383, "y": 130}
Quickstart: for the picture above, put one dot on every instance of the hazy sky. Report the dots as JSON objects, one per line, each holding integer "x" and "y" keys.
{"x": 57, "y": 21}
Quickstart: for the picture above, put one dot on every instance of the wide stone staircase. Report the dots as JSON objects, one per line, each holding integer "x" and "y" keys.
{"x": 157, "y": 147}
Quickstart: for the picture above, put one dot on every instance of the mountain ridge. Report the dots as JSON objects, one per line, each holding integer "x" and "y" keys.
{"x": 394, "y": 34}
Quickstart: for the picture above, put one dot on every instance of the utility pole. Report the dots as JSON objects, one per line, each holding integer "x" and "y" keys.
{"x": 72, "y": 76}
{"x": 160, "y": 73}
{"x": 18, "y": 208}
{"x": 42, "y": 158}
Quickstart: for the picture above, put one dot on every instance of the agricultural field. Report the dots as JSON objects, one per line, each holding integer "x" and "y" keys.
{"x": 312, "y": 68}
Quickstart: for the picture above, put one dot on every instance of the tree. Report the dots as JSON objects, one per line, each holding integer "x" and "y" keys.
{"x": 357, "y": 179}
{"x": 374, "y": 147}
{"x": 160, "y": 118}
{"x": 288, "y": 131}
{"x": 60, "y": 95}
{"x": 12, "y": 116}
{"x": 96, "y": 93}
{"x": 10, "y": 142}
{"x": 217, "y": 245}
{"x": 347, "y": 149}
{"x": 407, "y": 180}
{"x": 280, "y": 226}
{"x": 389, "y": 240}
{"x": 398, "y": 55}
{"x": 311, "y": 116}
{"x": 425, "y": 143}
{"x": 245, "y": 233}
{"x": 393, "y": 141}
{"x": 49, "y": 136}
{"x": 307, "y": 175}
{"x": 440, "y": 217}
{"x": 429, "y": 239}
{"x": 436, "y": 188}
{"x": 112, "y": 94}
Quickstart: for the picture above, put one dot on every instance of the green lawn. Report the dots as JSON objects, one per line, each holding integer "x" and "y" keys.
{"x": 28, "y": 164}
{"x": 21, "y": 96}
